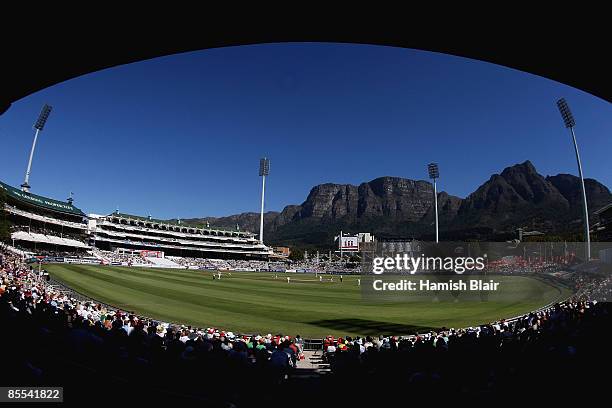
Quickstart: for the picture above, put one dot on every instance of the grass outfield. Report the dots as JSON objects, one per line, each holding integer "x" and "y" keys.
{"x": 255, "y": 302}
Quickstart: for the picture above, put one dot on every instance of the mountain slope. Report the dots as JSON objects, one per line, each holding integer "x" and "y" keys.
{"x": 517, "y": 196}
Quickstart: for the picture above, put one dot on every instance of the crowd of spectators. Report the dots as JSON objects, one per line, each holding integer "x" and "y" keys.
{"x": 47, "y": 253}
{"x": 310, "y": 266}
{"x": 123, "y": 258}
{"x": 329, "y": 267}
{"x": 56, "y": 232}
{"x": 265, "y": 266}
{"x": 51, "y": 333}
{"x": 53, "y": 337}
{"x": 559, "y": 346}
{"x": 594, "y": 287}
{"x": 220, "y": 264}
{"x": 341, "y": 267}
{"x": 525, "y": 268}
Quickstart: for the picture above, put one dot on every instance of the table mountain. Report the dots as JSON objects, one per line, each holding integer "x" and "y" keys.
{"x": 394, "y": 207}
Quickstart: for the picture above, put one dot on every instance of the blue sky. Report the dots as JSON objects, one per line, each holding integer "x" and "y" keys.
{"x": 181, "y": 136}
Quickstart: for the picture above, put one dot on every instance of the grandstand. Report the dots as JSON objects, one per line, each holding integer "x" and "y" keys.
{"x": 43, "y": 224}
{"x": 173, "y": 238}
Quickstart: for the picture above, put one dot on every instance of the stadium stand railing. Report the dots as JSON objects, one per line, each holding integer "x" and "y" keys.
{"x": 42, "y": 218}
{"x": 127, "y": 236}
{"x": 47, "y": 239}
{"x": 241, "y": 238}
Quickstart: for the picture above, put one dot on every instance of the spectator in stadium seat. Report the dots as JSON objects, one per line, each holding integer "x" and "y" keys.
{"x": 299, "y": 342}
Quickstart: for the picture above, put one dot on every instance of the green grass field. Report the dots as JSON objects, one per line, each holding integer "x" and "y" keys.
{"x": 249, "y": 302}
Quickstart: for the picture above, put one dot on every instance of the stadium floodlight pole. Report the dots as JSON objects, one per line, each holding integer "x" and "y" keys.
{"x": 568, "y": 120}
{"x": 264, "y": 170}
{"x": 434, "y": 174}
{"x": 340, "y": 239}
{"x": 39, "y": 125}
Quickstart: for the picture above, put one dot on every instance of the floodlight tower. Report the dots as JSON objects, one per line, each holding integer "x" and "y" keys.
{"x": 264, "y": 170}
{"x": 568, "y": 120}
{"x": 39, "y": 125}
{"x": 434, "y": 174}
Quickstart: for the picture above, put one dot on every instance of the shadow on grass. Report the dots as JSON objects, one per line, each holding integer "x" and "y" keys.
{"x": 370, "y": 327}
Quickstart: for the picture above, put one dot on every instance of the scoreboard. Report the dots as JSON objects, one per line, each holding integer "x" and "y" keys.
{"x": 152, "y": 254}
{"x": 349, "y": 244}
